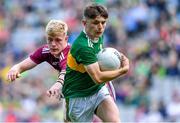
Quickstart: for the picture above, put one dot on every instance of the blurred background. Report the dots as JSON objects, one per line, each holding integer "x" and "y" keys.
{"x": 147, "y": 31}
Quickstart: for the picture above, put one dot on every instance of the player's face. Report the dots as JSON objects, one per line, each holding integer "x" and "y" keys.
{"x": 95, "y": 27}
{"x": 57, "y": 43}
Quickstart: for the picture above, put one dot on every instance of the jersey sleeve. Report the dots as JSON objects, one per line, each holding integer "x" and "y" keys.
{"x": 37, "y": 56}
{"x": 86, "y": 56}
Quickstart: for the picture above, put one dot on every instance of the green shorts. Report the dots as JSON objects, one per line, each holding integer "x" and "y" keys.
{"x": 82, "y": 109}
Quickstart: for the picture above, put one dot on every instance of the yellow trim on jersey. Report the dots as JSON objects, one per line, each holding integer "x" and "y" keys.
{"x": 71, "y": 62}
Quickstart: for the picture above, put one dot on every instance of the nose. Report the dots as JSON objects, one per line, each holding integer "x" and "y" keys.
{"x": 100, "y": 25}
{"x": 53, "y": 43}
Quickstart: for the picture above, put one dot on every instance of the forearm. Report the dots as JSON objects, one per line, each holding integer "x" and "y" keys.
{"x": 109, "y": 75}
{"x": 17, "y": 69}
{"x": 56, "y": 88}
{"x": 61, "y": 77}
{"x": 105, "y": 76}
{"x": 21, "y": 67}
{"x": 102, "y": 76}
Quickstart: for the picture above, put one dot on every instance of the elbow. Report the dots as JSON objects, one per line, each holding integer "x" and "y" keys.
{"x": 125, "y": 70}
{"x": 97, "y": 80}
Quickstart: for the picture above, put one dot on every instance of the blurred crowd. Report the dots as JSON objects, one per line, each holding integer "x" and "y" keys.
{"x": 147, "y": 31}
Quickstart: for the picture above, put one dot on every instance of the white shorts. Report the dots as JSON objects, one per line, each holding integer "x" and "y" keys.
{"x": 111, "y": 90}
{"x": 82, "y": 109}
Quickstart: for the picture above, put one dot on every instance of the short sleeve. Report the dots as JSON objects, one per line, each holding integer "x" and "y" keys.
{"x": 37, "y": 56}
{"x": 86, "y": 56}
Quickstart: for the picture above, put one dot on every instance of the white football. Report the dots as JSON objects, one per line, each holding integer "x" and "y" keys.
{"x": 109, "y": 59}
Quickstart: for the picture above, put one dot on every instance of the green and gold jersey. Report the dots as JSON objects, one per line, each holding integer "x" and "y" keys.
{"x": 77, "y": 81}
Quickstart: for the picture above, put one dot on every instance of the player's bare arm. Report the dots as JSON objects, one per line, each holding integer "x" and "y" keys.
{"x": 17, "y": 69}
{"x": 56, "y": 89}
{"x": 103, "y": 76}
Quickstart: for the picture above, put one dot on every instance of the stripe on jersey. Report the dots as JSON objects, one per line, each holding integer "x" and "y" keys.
{"x": 71, "y": 62}
{"x": 61, "y": 56}
{"x": 90, "y": 44}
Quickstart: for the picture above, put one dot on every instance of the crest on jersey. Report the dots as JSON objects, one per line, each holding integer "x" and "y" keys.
{"x": 45, "y": 50}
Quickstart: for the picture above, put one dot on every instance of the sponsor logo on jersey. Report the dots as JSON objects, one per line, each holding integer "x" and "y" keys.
{"x": 45, "y": 50}
{"x": 55, "y": 63}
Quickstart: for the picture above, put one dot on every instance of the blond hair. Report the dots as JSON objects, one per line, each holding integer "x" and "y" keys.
{"x": 55, "y": 27}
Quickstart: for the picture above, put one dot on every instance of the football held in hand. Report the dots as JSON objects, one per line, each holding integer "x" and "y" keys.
{"x": 109, "y": 59}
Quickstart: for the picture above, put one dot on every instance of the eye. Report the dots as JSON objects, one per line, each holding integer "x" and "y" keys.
{"x": 103, "y": 22}
{"x": 96, "y": 23}
{"x": 58, "y": 40}
{"x": 49, "y": 40}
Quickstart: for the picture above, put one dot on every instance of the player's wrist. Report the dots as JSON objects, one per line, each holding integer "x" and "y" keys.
{"x": 57, "y": 86}
{"x": 60, "y": 82}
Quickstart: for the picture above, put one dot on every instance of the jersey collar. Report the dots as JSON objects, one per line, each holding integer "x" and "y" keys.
{"x": 93, "y": 41}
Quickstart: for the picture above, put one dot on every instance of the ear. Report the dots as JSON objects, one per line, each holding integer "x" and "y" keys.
{"x": 84, "y": 22}
{"x": 46, "y": 36}
{"x": 66, "y": 38}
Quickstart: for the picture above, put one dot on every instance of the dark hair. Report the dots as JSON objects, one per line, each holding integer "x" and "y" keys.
{"x": 94, "y": 10}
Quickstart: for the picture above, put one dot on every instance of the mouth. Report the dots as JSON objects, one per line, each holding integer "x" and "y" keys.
{"x": 53, "y": 50}
{"x": 99, "y": 33}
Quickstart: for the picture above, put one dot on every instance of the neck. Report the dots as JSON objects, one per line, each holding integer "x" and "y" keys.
{"x": 57, "y": 56}
{"x": 93, "y": 39}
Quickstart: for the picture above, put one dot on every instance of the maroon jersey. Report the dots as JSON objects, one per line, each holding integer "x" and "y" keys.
{"x": 43, "y": 54}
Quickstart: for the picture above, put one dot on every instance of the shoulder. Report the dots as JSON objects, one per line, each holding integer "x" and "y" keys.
{"x": 80, "y": 42}
{"x": 42, "y": 51}
{"x": 66, "y": 51}
{"x": 41, "y": 54}
{"x": 45, "y": 49}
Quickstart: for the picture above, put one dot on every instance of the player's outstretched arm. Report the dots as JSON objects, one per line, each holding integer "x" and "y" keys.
{"x": 103, "y": 76}
{"x": 56, "y": 89}
{"x": 17, "y": 69}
